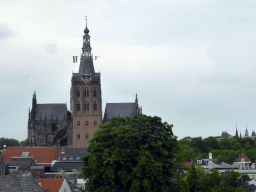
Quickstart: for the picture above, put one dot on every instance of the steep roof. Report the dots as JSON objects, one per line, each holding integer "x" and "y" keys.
{"x": 41, "y": 154}
{"x": 74, "y": 153}
{"x": 246, "y": 159}
{"x": 224, "y": 135}
{"x": 14, "y": 183}
{"x": 53, "y": 185}
{"x": 119, "y": 110}
{"x": 67, "y": 166}
{"x": 51, "y": 111}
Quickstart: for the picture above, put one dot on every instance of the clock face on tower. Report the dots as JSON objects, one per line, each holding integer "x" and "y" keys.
{"x": 86, "y": 80}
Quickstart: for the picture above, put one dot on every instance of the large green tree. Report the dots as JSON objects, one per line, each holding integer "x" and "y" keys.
{"x": 138, "y": 153}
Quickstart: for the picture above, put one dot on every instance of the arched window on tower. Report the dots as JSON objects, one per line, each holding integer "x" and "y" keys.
{"x": 86, "y": 106}
{"x": 94, "y": 92}
{"x": 86, "y": 92}
{"x": 78, "y": 106}
{"x": 95, "y": 106}
{"x": 78, "y": 93}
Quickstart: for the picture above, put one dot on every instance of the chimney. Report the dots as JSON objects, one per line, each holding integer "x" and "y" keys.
{"x": 210, "y": 161}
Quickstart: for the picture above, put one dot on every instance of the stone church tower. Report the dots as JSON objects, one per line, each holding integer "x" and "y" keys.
{"x": 85, "y": 97}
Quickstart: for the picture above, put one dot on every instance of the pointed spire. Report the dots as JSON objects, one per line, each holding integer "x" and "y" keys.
{"x": 136, "y": 99}
{"x": 236, "y": 131}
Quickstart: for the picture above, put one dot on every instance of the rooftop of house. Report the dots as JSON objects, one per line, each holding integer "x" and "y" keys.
{"x": 14, "y": 183}
{"x": 40, "y": 154}
{"x": 53, "y": 185}
{"x": 67, "y": 166}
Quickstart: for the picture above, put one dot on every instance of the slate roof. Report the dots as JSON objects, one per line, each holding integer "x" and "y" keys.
{"x": 22, "y": 164}
{"x": 2, "y": 166}
{"x": 224, "y": 135}
{"x": 67, "y": 166}
{"x": 55, "y": 109}
{"x": 75, "y": 153}
{"x": 73, "y": 187}
{"x": 41, "y": 154}
{"x": 119, "y": 110}
{"x": 14, "y": 183}
{"x": 224, "y": 165}
{"x": 53, "y": 185}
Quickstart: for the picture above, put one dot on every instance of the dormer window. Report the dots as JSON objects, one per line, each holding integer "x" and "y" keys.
{"x": 199, "y": 161}
{"x": 242, "y": 160}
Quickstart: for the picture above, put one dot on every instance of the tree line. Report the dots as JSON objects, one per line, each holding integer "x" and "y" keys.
{"x": 12, "y": 142}
{"x": 226, "y": 150}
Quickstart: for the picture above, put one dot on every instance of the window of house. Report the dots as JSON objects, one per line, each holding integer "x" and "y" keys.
{"x": 78, "y": 93}
{"x": 78, "y": 158}
{"x": 86, "y": 123}
{"x": 95, "y": 105}
{"x": 199, "y": 161}
{"x": 64, "y": 158}
{"x": 78, "y": 136}
{"x": 71, "y": 158}
{"x": 78, "y": 106}
{"x": 94, "y": 92}
{"x": 78, "y": 123}
{"x": 86, "y": 93}
{"x": 86, "y": 106}
{"x": 95, "y": 123}
{"x": 87, "y": 136}
{"x": 242, "y": 159}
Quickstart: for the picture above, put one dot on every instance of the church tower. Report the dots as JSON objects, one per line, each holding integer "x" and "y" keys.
{"x": 85, "y": 97}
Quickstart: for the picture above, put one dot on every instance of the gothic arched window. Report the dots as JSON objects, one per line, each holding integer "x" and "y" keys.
{"x": 95, "y": 123}
{"x": 86, "y": 123}
{"x": 78, "y": 106}
{"x": 94, "y": 92}
{"x": 86, "y": 92}
{"x": 78, "y": 123}
{"x": 95, "y": 106}
{"x": 78, "y": 136}
{"x": 87, "y": 136}
{"x": 86, "y": 106}
{"x": 78, "y": 93}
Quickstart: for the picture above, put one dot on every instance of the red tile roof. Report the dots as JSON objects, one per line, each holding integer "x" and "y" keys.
{"x": 187, "y": 163}
{"x": 41, "y": 154}
{"x": 246, "y": 159}
{"x": 53, "y": 185}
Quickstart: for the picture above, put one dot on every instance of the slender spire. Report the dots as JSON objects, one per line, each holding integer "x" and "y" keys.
{"x": 86, "y": 64}
{"x": 236, "y": 131}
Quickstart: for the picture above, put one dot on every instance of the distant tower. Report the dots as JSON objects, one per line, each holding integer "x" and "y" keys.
{"x": 86, "y": 106}
{"x": 246, "y": 132}
{"x": 236, "y": 132}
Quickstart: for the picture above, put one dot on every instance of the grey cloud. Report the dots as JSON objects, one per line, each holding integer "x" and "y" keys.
{"x": 5, "y": 31}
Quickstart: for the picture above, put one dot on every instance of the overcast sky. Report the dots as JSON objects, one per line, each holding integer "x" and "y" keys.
{"x": 191, "y": 62}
